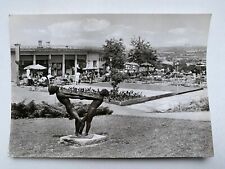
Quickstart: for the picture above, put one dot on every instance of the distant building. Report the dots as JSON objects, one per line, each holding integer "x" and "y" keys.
{"x": 58, "y": 60}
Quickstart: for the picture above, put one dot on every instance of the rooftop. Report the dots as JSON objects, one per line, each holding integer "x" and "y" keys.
{"x": 57, "y": 49}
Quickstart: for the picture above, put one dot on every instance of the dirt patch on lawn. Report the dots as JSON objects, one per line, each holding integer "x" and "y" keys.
{"x": 128, "y": 137}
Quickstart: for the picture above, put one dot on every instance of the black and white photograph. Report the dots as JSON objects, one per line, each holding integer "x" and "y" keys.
{"x": 109, "y": 86}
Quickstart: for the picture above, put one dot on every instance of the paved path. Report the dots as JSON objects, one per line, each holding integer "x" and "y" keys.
{"x": 166, "y": 103}
{"x": 19, "y": 94}
{"x": 126, "y": 111}
{"x": 147, "y": 109}
{"x": 142, "y": 110}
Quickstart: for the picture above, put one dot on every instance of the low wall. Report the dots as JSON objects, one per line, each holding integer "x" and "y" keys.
{"x": 194, "y": 90}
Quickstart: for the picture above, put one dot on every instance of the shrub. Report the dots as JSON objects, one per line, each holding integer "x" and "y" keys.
{"x": 204, "y": 104}
{"x": 83, "y": 109}
{"x": 31, "y": 110}
{"x": 50, "y": 113}
{"x": 116, "y": 77}
{"x": 104, "y": 111}
{"x": 19, "y": 110}
{"x": 201, "y": 105}
{"x": 15, "y": 114}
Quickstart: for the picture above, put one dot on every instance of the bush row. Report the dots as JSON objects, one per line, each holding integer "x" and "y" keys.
{"x": 32, "y": 110}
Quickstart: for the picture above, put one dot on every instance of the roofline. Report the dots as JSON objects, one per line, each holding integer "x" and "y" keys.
{"x": 57, "y": 49}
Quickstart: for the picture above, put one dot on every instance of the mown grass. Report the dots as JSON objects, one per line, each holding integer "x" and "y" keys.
{"x": 128, "y": 137}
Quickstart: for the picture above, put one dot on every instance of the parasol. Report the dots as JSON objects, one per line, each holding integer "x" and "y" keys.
{"x": 35, "y": 67}
{"x": 131, "y": 63}
{"x": 146, "y": 64}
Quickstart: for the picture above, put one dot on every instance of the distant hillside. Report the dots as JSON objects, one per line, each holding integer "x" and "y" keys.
{"x": 189, "y": 53}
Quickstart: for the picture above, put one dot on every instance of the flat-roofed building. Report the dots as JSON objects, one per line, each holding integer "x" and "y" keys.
{"x": 57, "y": 60}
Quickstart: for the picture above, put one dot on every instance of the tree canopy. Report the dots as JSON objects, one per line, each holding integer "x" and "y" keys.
{"x": 142, "y": 52}
{"x": 114, "y": 53}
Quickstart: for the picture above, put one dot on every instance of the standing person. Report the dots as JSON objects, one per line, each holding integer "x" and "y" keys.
{"x": 49, "y": 76}
{"x": 91, "y": 78}
{"x": 97, "y": 101}
{"x": 65, "y": 100}
{"x": 30, "y": 81}
{"x": 77, "y": 77}
{"x": 88, "y": 77}
{"x": 28, "y": 72}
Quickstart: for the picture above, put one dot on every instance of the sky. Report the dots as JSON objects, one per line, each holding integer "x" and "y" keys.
{"x": 91, "y": 30}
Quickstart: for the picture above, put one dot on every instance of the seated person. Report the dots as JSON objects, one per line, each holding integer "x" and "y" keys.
{"x": 97, "y": 101}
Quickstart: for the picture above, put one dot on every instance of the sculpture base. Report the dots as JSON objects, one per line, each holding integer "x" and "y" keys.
{"x": 82, "y": 140}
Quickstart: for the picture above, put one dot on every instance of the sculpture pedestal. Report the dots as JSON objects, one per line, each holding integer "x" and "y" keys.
{"x": 82, "y": 140}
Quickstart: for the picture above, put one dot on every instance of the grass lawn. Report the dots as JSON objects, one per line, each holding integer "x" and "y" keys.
{"x": 128, "y": 137}
{"x": 156, "y": 87}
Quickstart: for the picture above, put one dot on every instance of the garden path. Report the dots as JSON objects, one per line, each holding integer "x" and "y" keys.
{"x": 142, "y": 109}
{"x": 166, "y": 103}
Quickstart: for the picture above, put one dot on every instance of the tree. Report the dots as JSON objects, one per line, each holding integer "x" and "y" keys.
{"x": 116, "y": 78}
{"x": 182, "y": 66}
{"x": 196, "y": 69}
{"x": 142, "y": 52}
{"x": 114, "y": 53}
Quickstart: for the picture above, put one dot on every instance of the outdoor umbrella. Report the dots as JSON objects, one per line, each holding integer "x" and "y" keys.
{"x": 89, "y": 68}
{"x": 167, "y": 63}
{"x": 146, "y": 64}
{"x": 35, "y": 67}
{"x": 201, "y": 64}
{"x": 132, "y": 63}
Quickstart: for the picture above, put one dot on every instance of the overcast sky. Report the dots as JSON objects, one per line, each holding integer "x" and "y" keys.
{"x": 93, "y": 30}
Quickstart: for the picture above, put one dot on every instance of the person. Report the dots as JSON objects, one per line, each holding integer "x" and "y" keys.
{"x": 49, "y": 76}
{"x": 30, "y": 80}
{"x": 97, "y": 101}
{"x": 77, "y": 78}
{"x": 64, "y": 98}
{"x": 28, "y": 72}
{"x": 92, "y": 76}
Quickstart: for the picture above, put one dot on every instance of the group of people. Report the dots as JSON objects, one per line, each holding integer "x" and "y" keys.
{"x": 65, "y": 97}
{"x": 88, "y": 77}
{"x": 35, "y": 80}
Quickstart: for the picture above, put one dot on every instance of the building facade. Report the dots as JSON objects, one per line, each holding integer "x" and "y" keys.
{"x": 58, "y": 61}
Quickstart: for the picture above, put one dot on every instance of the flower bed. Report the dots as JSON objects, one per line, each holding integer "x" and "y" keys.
{"x": 140, "y": 100}
{"x": 114, "y": 96}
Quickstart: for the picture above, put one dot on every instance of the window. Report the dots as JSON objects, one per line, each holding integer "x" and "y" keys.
{"x": 94, "y": 63}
